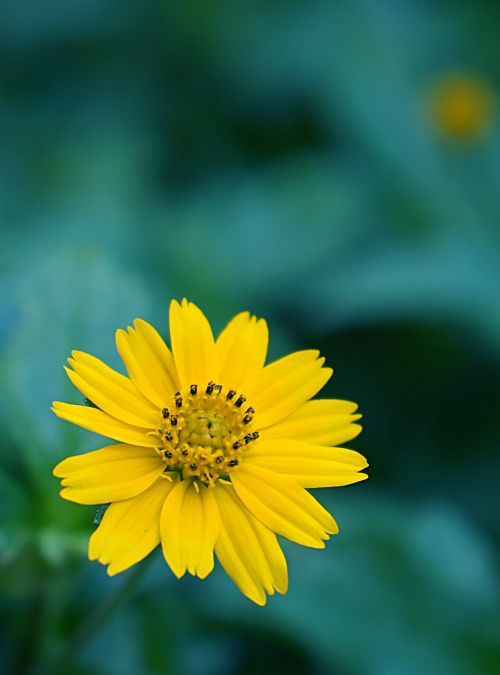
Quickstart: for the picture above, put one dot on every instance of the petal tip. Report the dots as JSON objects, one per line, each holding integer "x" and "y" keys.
{"x": 174, "y": 306}
{"x": 334, "y": 529}
{"x": 140, "y": 323}
{"x": 93, "y": 547}
{"x": 204, "y": 572}
{"x": 56, "y": 471}
{"x": 260, "y": 600}
{"x": 111, "y": 570}
{"x": 282, "y": 588}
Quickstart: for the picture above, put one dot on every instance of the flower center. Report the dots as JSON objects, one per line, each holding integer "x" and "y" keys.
{"x": 203, "y": 433}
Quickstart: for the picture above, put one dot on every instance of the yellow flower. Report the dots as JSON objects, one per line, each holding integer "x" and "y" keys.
{"x": 461, "y": 106}
{"x": 215, "y": 450}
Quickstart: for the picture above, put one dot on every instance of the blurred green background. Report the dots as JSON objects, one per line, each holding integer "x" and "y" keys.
{"x": 297, "y": 160}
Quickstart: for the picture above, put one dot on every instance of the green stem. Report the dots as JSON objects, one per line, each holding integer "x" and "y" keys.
{"x": 89, "y": 628}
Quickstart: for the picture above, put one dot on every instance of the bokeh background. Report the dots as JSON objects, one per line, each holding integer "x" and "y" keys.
{"x": 332, "y": 166}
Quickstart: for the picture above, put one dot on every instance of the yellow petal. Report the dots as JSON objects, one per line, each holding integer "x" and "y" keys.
{"x": 189, "y": 528}
{"x": 102, "y": 423}
{"x": 323, "y": 422}
{"x": 248, "y": 550}
{"x": 130, "y": 529}
{"x": 149, "y": 362}
{"x": 310, "y": 465}
{"x": 241, "y": 349}
{"x": 112, "y": 473}
{"x": 112, "y": 392}
{"x": 192, "y": 345}
{"x": 283, "y": 386}
{"x": 283, "y": 505}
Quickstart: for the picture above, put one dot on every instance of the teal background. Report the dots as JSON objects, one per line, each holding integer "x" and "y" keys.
{"x": 277, "y": 157}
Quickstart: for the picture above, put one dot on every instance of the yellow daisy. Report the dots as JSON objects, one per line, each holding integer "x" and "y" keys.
{"x": 461, "y": 106}
{"x": 215, "y": 450}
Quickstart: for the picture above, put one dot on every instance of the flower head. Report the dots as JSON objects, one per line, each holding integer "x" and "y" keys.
{"x": 461, "y": 106}
{"x": 215, "y": 450}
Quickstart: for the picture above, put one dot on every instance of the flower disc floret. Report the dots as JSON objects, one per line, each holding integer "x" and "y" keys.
{"x": 204, "y": 432}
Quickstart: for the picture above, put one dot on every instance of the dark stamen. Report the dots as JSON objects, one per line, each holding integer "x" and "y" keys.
{"x": 241, "y": 400}
{"x": 193, "y": 389}
{"x": 165, "y": 413}
{"x": 233, "y": 462}
{"x": 169, "y": 436}
{"x": 193, "y": 466}
{"x": 247, "y": 419}
{"x": 168, "y": 454}
{"x": 230, "y": 394}
{"x": 255, "y": 435}
{"x": 210, "y": 388}
{"x": 236, "y": 445}
{"x": 173, "y": 420}
{"x": 248, "y": 438}
{"x": 219, "y": 459}
{"x": 184, "y": 453}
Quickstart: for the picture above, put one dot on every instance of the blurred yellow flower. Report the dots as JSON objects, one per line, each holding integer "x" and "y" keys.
{"x": 461, "y": 106}
{"x": 215, "y": 450}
